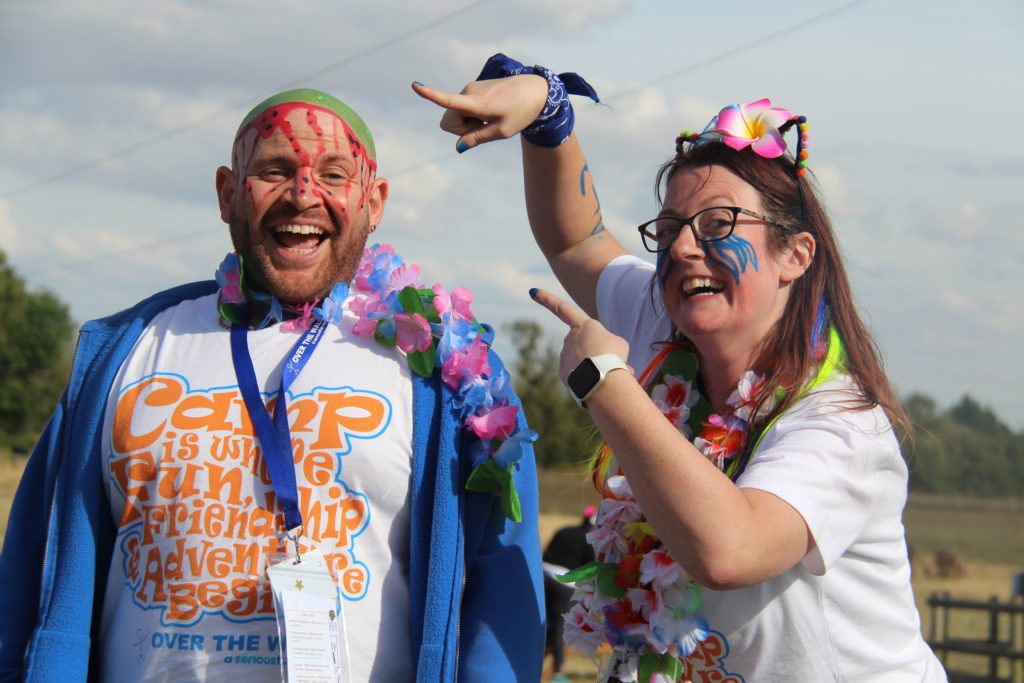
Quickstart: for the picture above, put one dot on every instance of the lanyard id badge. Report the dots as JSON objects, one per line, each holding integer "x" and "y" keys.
{"x": 307, "y": 600}
{"x": 310, "y": 621}
{"x": 274, "y": 434}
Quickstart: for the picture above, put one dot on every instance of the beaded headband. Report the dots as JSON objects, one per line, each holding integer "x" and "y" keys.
{"x": 757, "y": 125}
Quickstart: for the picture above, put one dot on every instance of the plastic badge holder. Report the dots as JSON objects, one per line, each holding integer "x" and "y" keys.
{"x": 310, "y": 620}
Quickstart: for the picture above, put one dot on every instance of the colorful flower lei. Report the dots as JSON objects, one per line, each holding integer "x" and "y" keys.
{"x": 435, "y": 330}
{"x": 634, "y": 596}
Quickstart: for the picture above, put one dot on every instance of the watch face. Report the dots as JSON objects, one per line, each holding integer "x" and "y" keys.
{"x": 583, "y": 378}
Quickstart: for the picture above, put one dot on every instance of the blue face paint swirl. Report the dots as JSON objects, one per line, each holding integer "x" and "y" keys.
{"x": 664, "y": 268}
{"x": 734, "y": 254}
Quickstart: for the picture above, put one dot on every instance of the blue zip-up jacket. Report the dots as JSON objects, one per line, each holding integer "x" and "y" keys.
{"x": 477, "y": 606}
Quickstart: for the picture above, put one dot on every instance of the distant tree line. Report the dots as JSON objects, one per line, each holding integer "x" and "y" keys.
{"x": 35, "y": 358}
{"x": 567, "y": 435}
{"x": 962, "y": 450}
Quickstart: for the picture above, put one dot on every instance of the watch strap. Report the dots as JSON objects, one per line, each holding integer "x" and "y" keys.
{"x": 590, "y": 374}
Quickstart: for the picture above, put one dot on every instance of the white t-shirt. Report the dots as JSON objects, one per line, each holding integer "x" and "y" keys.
{"x": 188, "y": 596}
{"x": 846, "y": 612}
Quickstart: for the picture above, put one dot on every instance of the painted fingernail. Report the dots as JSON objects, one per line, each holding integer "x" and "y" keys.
{"x": 419, "y": 83}
{"x": 533, "y": 292}
{"x": 462, "y": 146}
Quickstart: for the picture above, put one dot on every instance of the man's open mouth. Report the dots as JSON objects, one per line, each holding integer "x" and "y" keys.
{"x": 301, "y": 239}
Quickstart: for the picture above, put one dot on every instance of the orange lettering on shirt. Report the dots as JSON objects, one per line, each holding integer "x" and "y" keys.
{"x": 347, "y": 413}
{"x": 164, "y": 391}
{"x": 204, "y": 412}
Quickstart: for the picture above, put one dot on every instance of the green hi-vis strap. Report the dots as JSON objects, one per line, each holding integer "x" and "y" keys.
{"x": 834, "y": 360}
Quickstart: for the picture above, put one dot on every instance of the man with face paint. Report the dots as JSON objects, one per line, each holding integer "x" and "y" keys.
{"x": 166, "y": 484}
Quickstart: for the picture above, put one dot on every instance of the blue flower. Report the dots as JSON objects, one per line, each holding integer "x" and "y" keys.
{"x": 332, "y": 309}
{"x": 483, "y": 392}
{"x": 456, "y": 335}
{"x": 274, "y": 312}
{"x": 228, "y": 265}
{"x": 383, "y": 265}
{"x": 513, "y": 448}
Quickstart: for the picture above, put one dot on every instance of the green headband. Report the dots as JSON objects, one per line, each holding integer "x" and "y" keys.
{"x": 319, "y": 99}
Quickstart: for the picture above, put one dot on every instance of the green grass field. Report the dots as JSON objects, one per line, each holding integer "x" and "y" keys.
{"x": 982, "y": 536}
{"x": 10, "y": 474}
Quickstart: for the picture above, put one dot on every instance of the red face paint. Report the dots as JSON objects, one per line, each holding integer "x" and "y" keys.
{"x": 301, "y": 211}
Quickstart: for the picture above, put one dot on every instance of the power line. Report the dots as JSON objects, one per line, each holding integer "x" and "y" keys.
{"x": 70, "y": 265}
{"x": 744, "y": 47}
{"x": 185, "y": 127}
{"x": 690, "y": 68}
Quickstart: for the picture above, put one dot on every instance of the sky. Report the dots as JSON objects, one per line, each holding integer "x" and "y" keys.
{"x": 115, "y": 115}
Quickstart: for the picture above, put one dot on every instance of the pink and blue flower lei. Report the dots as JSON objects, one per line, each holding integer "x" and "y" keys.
{"x": 436, "y": 331}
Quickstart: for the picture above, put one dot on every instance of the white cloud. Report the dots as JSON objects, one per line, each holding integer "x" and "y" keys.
{"x": 956, "y": 301}
{"x": 967, "y": 222}
{"x": 933, "y": 242}
{"x": 834, "y": 191}
{"x": 11, "y": 239}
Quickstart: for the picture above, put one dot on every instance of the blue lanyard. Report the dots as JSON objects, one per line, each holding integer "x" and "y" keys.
{"x": 274, "y": 436}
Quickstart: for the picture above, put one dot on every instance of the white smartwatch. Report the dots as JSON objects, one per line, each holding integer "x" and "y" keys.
{"x": 590, "y": 373}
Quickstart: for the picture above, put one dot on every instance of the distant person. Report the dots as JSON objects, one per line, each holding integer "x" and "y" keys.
{"x": 316, "y": 399}
{"x": 754, "y": 488}
{"x": 568, "y": 549}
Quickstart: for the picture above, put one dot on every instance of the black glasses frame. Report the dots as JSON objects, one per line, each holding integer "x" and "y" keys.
{"x": 650, "y": 238}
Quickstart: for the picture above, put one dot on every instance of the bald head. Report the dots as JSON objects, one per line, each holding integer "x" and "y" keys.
{"x": 313, "y": 98}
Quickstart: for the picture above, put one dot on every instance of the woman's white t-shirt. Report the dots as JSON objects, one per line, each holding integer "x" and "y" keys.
{"x": 846, "y": 612}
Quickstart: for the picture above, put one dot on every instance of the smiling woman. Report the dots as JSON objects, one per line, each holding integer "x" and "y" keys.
{"x": 753, "y": 487}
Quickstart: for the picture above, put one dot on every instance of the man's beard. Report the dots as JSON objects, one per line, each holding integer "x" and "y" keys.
{"x": 260, "y": 274}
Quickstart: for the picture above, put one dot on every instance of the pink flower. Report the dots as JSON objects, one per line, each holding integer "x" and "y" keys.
{"x": 674, "y": 398}
{"x": 375, "y": 259}
{"x": 466, "y": 364}
{"x": 743, "y": 398}
{"x": 643, "y": 600}
{"x": 412, "y": 332}
{"x": 608, "y": 536}
{"x": 659, "y": 569}
{"x": 363, "y": 307}
{"x": 301, "y": 323}
{"x": 720, "y": 439}
{"x": 458, "y": 302}
{"x": 582, "y": 632}
{"x": 755, "y": 125}
{"x": 498, "y": 423}
{"x": 405, "y": 275}
{"x": 232, "y": 289}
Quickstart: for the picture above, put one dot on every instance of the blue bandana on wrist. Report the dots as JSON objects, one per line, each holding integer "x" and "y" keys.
{"x": 555, "y": 122}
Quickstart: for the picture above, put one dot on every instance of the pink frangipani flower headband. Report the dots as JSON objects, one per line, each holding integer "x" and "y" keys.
{"x": 757, "y": 125}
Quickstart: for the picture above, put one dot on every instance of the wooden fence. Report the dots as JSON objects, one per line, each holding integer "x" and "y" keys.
{"x": 1002, "y": 646}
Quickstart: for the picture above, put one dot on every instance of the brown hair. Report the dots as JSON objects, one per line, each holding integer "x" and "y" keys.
{"x": 787, "y": 355}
